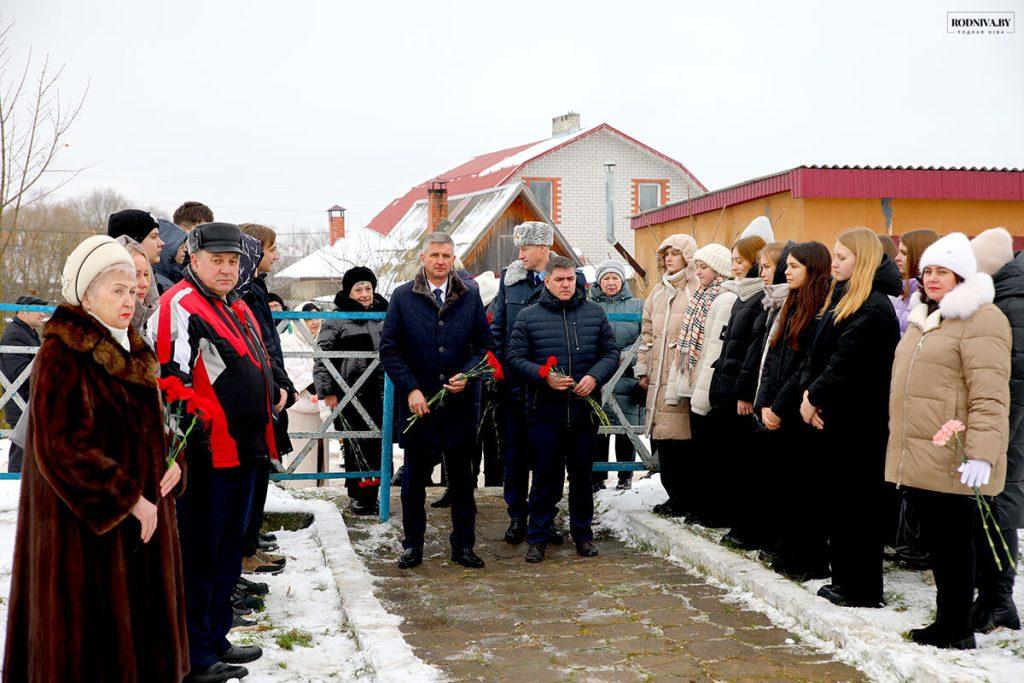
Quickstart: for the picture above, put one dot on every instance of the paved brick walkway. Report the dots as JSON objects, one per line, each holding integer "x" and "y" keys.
{"x": 622, "y": 616}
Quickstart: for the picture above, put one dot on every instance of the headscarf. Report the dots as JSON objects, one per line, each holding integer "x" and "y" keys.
{"x": 248, "y": 264}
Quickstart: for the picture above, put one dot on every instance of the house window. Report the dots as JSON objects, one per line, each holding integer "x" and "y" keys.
{"x": 649, "y": 194}
{"x": 546, "y": 191}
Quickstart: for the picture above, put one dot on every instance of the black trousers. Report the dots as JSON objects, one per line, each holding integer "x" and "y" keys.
{"x": 557, "y": 447}
{"x": 995, "y": 586}
{"x": 15, "y": 456}
{"x": 251, "y": 538}
{"x": 212, "y": 515}
{"x": 799, "y": 499}
{"x": 517, "y": 458}
{"x": 419, "y": 465}
{"x": 855, "y": 508}
{"x": 624, "y": 452}
{"x": 755, "y": 518}
{"x": 362, "y": 455}
{"x": 674, "y": 456}
{"x": 947, "y": 529}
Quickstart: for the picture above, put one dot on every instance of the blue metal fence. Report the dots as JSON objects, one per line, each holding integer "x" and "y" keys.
{"x": 386, "y": 429}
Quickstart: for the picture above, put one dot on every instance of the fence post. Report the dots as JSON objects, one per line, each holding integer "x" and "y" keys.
{"x": 386, "y": 449}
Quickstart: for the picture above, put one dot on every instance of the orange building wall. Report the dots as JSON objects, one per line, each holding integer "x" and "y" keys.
{"x": 785, "y": 212}
{"x": 823, "y": 219}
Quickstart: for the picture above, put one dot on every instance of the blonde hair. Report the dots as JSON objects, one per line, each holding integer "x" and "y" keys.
{"x": 864, "y": 244}
{"x": 772, "y": 252}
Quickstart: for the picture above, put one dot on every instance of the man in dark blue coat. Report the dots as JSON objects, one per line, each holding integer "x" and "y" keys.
{"x": 435, "y": 330}
{"x": 561, "y": 428}
{"x": 521, "y": 285}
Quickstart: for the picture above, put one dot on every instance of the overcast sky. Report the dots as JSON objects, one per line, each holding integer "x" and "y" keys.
{"x": 272, "y": 111}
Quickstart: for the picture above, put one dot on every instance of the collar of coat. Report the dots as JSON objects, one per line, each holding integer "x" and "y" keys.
{"x": 80, "y": 332}
{"x": 516, "y": 272}
{"x": 960, "y": 304}
{"x": 456, "y": 288}
{"x": 744, "y": 288}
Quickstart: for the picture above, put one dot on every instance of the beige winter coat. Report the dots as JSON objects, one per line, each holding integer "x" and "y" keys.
{"x": 659, "y": 334}
{"x": 952, "y": 364}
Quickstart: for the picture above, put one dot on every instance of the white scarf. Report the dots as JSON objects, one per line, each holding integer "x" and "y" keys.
{"x": 120, "y": 336}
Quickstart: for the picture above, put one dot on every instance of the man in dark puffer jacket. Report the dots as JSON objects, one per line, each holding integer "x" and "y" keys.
{"x": 561, "y": 429}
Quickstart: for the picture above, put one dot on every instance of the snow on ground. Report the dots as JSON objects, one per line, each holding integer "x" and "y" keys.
{"x": 324, "y": 594}
{"x": 870, "y": 639}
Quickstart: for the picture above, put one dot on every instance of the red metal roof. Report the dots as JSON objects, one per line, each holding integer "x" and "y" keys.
{"x": 853, "y": 182}
{"x": 468, "y": 177}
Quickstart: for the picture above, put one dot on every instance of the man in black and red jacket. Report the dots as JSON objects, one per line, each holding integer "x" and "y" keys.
{"x": 206, "y": 336}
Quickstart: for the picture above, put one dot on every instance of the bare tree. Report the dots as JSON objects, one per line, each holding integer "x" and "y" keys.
{"x": 33, "y": 124}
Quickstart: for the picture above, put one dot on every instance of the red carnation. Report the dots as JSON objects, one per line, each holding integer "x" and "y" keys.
{"x": 545, "y": 369}
{"x": 174, "y": 389}
{"x": 490, "y": 317}
{"x": 201, "y": 407}
{"x": 492, "y": 360}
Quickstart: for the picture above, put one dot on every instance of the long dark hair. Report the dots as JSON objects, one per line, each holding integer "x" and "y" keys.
{"x": 805, "y": 303}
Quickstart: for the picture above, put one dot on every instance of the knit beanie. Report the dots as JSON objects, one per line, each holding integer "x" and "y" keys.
{"x": 760, "y": 227}
{"x": 953, "y": 252}
{"x": 90, "y": 258}
{"x": 611, "y": 266}
{"x": 993, "y": 249}
{"x": 533, "y": 232}
{"x": 353, "y": 276}
{"x": 132, "y": 222}
{"x": 717, "y": 256}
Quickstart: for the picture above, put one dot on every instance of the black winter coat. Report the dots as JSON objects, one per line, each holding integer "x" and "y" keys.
{"x": 780, "y": 388}
{"x": 578, "y": 334}
{"x": 847, "y": 376}
{"x": 1008, "y": 506}
{"x": 422, "y": 346}
{"x": 736, "y": 370}
{"x": 849, "y": 366}
{"x": 17, "y": 333}
{"x": 337, "y": 334}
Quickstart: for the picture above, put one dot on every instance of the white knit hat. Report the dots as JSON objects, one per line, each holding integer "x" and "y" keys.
{"x": 489, "y": 285}
{"x": 953, "y": 252}
{"x": 759, "y": 227}
{"x": 90, "y": 258}
{"x": 993, "y": 249}
{"x": 717, "y": 256}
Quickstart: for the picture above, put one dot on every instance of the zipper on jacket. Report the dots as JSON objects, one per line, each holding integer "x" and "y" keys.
{"x": 568, "y": 351}
{"x": 576, "y": 334}
{"x": 903, "y": 427}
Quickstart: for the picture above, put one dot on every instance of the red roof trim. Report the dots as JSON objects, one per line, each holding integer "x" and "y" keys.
{"x": 852, "y": 183}
{"x": 463, "y": 179}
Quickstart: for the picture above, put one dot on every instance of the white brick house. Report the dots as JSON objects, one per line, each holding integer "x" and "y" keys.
{"x": 566, "y": 173}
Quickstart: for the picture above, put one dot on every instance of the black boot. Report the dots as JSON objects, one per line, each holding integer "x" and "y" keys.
{"x": 217, "y": 673}
{"x": 516, "y": 531}
{"x": 586, "y": 549}
{"x": 938, "y": 636}
{"x": 556, "y": 537}
{"x": 535, "y": 553}
{"x": 252, "y": 587}
{"x": 837, "y": 596}
{"x": 467, "y": 558}
{"x": 445, "y": 501}
{"x": 241, "y": 654}
{"x": 410, "y": 557}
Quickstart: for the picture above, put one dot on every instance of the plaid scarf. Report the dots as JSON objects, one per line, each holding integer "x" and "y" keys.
{"x": 691, "y": 334}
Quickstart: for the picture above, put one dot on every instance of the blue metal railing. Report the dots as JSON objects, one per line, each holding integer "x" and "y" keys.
{"x": 386, "y": 471}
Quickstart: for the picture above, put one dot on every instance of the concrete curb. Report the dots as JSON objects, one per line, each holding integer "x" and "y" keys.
{"x": 880, "y": 653}
{"x": 375, "y": 630}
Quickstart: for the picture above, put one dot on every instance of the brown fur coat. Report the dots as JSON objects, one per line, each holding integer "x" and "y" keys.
{"x": 89, "y": 601}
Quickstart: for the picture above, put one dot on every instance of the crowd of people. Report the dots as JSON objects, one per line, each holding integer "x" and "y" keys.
{"x": 793, "y": 393}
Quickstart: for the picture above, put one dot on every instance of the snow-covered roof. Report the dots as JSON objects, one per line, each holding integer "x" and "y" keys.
{"x": 359, "y": 247}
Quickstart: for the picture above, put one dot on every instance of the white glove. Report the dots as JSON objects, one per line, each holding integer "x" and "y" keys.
{"x": 974, "y": 473}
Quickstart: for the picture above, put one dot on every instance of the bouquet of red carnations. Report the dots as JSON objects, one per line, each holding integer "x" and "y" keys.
{"x": 551, "y": 366}
{"x": 488, "y": 366}
{"x": 180, "y": 403}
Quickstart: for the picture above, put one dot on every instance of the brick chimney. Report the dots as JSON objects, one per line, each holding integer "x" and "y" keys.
{"x": 437, "y": 204}
{"x": 335, "y": 223}
{"x": 565, "y": 124}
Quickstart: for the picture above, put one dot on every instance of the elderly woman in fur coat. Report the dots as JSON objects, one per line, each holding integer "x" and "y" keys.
{"x": 96, "y": 589}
